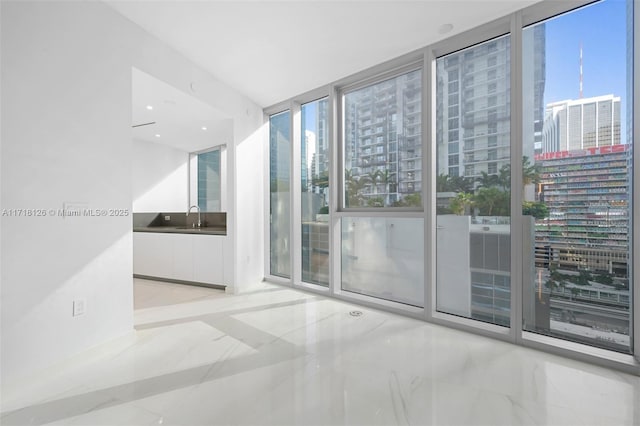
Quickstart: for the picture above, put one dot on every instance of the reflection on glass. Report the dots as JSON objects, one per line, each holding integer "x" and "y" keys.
{"x": 279, "y": 178}
{"x": 577, "y": 206}
{"x": 384, "y": 258}
{"x": 315, "y": 192}
{"x": 473, "y": 193}
{"x": 383, "y": 143}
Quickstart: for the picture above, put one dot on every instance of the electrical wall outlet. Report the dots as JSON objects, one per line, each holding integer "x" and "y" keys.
{"x": 167, "y": 217}
{"x": 79, "y": 306}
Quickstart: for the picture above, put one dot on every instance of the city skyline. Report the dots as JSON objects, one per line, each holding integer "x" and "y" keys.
{"x": 600, "y": 45}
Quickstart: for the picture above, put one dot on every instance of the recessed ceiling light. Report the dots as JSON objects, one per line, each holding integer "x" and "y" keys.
{"x": 445, "y": 28}
{"x": 157, "y": 136}
{"x": 149, "y": 107}
{"x": 204, "y": 128}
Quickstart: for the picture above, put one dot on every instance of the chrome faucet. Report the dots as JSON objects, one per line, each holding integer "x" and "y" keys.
{"x": 189, "y": 211}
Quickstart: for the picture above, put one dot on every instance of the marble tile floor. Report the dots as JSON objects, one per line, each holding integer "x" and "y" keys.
{"x": 278, "y": 356}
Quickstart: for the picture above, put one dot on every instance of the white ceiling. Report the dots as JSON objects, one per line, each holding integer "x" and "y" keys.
{"x": 274, "y": 50}
{"x": 178, "y": 118}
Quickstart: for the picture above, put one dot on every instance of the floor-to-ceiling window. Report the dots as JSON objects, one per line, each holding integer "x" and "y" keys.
{"x": 473, "y": 182}
{"x": 314, "y": 197}
{"x": 382, "y": 248}
{"x": 279, "y": 189}
{"x": 577, "y": 157}
{"x": 513, "y": 143}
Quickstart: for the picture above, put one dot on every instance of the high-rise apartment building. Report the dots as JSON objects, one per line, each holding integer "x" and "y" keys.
{"x": 581, "y": 123}
{"x": 473, "y": 123}
{"x": 383, "y": 143}
{"x": 534, "y": 72}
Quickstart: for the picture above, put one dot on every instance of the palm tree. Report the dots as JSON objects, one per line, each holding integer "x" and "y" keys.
{"x": 354, "y": 186}
{"x": 461, "y": 184}
{"x": 535, "y": 209}
{"x": 446, "y": 183}
{"x": 491, "y": 201}
{"x": 530, "y": 172}
{"x": 443, "y": 183}
{"x": 504, "y": 177}
{"x": 487, "y": 181}
{"x": 460, "y": 202}
{"x": 385, "y": 178}
{"x": 373, "y": 178}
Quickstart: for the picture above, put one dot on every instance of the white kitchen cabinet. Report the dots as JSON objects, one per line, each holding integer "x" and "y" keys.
{"x": 185, "y": 257}
{"x": 182, "y": 245}
{"x": 208, "y": 257}
{"x": 152, "y": 256}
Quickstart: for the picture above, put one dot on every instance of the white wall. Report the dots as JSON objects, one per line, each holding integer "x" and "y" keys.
{"x": 160, "y": 176}
{"x": 247, "y": 221}
{"x": 66, "y": 137}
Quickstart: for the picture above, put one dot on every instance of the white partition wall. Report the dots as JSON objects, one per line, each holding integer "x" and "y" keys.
{"x": 69, "y": 64}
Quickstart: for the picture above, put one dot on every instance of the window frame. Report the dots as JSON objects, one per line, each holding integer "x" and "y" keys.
{"x": 376, "y": 77}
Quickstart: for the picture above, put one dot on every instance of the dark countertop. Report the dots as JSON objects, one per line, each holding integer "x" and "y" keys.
{"x": 213, "y": 223}
{"x": 206, "y": 230}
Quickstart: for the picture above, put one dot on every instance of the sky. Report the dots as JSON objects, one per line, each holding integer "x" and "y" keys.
{"x": 309, "y": 112}
{"x": 604, "y": 52}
